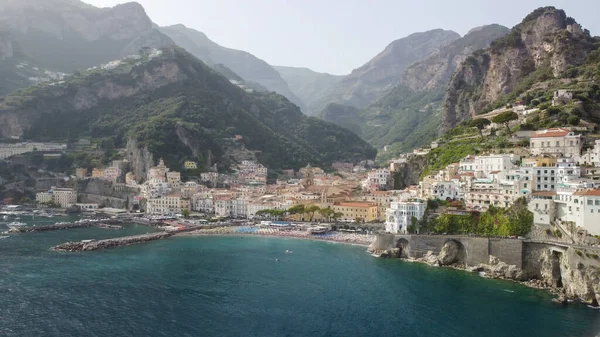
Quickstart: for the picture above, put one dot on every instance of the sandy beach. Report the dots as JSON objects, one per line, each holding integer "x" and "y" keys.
{"x": 347, "y": 238}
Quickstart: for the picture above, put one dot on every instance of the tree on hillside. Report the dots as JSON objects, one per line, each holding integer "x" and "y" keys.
{"x": 185, "y": 213}
{"x": 505, "y": 118}
{"x": 311, "y": 210}
{"x": 480, "y": 124}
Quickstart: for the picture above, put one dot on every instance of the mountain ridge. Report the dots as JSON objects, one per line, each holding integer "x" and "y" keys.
{"x": 179, "y": 109}
{"x": 244, "y": 64}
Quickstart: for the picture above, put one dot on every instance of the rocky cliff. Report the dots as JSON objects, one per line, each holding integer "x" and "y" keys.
{"x": 175, "y": 107}
{"x": 409, "y": 115}
{"x": 546, "y": 40}
{"x": 244, "y": 64}
{"x": 373, "y": 80}
{"x": 67, "y": 35}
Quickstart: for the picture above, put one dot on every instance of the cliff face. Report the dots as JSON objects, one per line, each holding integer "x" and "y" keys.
{"x": 409, "y": 173}
{"x": 546, "y": 39}
{"x": 409, "y": 115}
{"x": 175, "y": 107}
{"x": 374, "y": 79}
{"x": 66, "y": 35}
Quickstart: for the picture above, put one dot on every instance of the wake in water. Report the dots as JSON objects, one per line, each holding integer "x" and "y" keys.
{"x": 508, "y": 291}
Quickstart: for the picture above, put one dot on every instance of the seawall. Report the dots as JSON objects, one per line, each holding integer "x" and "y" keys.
{"x": 572, "y": 272}
{"x": 110, "y": 243}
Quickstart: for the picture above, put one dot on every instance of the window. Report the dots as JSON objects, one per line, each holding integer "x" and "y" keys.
{"x": 590, "y": 202}
{"x": 597, "y": 202}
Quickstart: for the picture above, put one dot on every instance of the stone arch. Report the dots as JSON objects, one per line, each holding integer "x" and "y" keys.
{"x": 404, "y": 247}
{"x": 556, "y": 274}
{"x": 453, "y": 252}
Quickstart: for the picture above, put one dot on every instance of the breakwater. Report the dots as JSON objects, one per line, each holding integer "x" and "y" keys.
{"x": 104, "y": 223}
{"x": 110, "y": 243}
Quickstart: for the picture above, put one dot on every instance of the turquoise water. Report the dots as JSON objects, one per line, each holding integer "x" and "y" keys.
{"x": 233, "y": 286}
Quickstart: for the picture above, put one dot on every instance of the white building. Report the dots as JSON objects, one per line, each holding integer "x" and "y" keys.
{"x": 483, "y": 166}
{"x": 231, "y": 207}
{"x": 582, "y": 208}
{"x": 169, "y": 204}
{"x": 378, "y": 179}
{"x": 446, "y": 190}
{"x": 556, "y": 141}
{"x": 65, "y": 197}
{"x": 399, "y": 215}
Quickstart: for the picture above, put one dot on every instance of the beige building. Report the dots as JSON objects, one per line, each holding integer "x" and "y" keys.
{"x": 43, "y": 197}
{"x": 81, "y": 172}
{"x": 170, "y": 204}
{"x": 556, "y": 141}
{"x": 64, "y": 197}
{"x": 353, "y": 210}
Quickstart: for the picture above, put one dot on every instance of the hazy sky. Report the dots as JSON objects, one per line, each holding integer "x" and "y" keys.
{"x": 337, "y": 36}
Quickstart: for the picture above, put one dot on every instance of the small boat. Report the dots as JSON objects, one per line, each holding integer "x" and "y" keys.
{"x": 5, "y": 217}
{"x": 4, "y": 237}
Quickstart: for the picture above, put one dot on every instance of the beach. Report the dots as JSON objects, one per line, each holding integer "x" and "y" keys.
{"x": 347, "y": 238}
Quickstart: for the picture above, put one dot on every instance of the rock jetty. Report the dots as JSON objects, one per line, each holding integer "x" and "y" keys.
{"x": 88, "y": 245}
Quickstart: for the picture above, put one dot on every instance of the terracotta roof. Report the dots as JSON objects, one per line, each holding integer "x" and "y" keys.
{"x": 551, "y": 133}
{"x": 355, "y": 204}
{"x": 544, "y": 194}
{"x": 467, "y": 174}
{"x": 595, "y": 193}
{"x": 495, "y": 172}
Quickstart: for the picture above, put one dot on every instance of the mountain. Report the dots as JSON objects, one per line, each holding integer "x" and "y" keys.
{"x": 17, "y": 70}
{"x": 543, "y": 47}
{"x": 244, "y": 64}
{"x": 69, "y": 35}
{"x": 170, "y": 104}
{"x": 307, "y": 84}
{"x": 409, "y": 115}
{"x": 377, "y": 77}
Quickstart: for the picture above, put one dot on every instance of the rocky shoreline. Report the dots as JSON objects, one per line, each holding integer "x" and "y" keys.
{"x": 570, "y": 281}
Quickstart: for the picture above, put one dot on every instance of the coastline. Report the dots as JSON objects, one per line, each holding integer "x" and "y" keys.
{"x": 299, "y": 237}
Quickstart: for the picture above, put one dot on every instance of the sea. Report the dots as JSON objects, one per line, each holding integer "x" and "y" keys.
{"x": 250, "y": 286}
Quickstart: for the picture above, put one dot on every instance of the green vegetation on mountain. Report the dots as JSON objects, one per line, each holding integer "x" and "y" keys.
{"x": 247, "y": 66}
{"x": 373, "y": 80}
{"x": 71, "y": 35}
{"x": 178, "y": 108}
{"x": 546, "y": 52}
{"x": 410, "y": 114}
{"x": 307, "y": 84}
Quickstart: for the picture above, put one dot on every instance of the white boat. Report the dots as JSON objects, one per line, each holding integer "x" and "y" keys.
{"x": 4, "y": 237}
{"x": 16, "y": 224}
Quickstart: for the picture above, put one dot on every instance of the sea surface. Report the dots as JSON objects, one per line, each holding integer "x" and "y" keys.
{"x": 250, "y": 286}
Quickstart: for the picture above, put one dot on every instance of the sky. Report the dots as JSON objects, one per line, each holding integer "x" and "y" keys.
{"x": 337, "y": 36}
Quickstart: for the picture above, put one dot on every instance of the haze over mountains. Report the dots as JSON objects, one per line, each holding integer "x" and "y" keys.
{"x": 398, "y": 100}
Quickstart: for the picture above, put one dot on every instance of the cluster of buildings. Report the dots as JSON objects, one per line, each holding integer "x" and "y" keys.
{"x": 65, "y": 197}
{"x": 9, "y": 150}
{"x": 559, "y": 181}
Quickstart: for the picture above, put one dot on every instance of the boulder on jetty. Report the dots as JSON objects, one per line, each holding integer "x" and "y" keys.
{"x": 109, "y": 243}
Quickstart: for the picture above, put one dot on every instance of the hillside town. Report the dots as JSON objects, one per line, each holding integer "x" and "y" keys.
{"x": 553, "y": 173}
